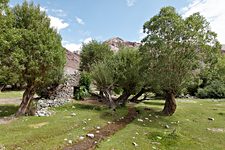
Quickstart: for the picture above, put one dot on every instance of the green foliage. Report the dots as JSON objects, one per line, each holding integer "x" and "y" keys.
{"x": 216, "y": 89}
{"x": 128, "y": 66}
{"x": 177, "y": 49}
{"x": 32, "y": 51}
{"x": 84, "y": 86}
{"x": 85, "y": 80}
{"x": 93, "y": 52}
{"x": 81, "y": 93}
{"x": 103, "y": 75}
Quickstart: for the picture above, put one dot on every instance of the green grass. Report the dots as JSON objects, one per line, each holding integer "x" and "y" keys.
{"x": 42, "y": 133}
{"x": 11, "y": 94}
{"x": 187, "y": 128}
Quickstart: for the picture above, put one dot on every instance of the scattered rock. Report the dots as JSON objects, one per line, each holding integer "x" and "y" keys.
{"x": 43, "y": 106}
{"x": 98, "y": 127}
{"x": 140, "y": 120}
{"x": 167, "y": 126}
{"x": 109, "y": 122}
{"x": 73, "y": 114}
{"x": 81, "y": 137}
{"x": 212, "y": 119}
{"x": 135, "y": 144}
{"x": 2, "y": 147}
{"x": 146, "y": 119}
{"x": 159, "y": 137}
{"x": 97, "y": 131}
{"x": 216, "y": 129}
{"x": 90, "y": 135}
{"x": 70, "y": 142}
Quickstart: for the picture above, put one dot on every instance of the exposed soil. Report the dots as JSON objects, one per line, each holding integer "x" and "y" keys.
{"x": 5, "y": 101}
{"x": 104, "y": 132}
{"x": 7, "y": 120}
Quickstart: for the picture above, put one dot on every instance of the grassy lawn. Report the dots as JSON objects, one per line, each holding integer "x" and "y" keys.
{"x": 187, "y": 128}
{"x": 11, "y": 94}
{"x": 41, "y": 133}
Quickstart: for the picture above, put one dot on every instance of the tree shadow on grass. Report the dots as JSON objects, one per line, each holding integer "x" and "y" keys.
{"x": 161, "y": 103}
{"x": 8, "y": 110}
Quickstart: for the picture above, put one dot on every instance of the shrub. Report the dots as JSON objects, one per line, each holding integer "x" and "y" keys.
{"x": 216, "y": 89}
{"x": 84, "y": 86}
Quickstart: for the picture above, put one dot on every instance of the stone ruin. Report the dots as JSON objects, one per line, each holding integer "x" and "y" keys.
{"x": 65, "y": 91}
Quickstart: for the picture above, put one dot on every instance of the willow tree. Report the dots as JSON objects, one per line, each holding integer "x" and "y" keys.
{"x": 36, "y": 56}
{"x": 175, "y": 49}
{"x": 103, "y": 75}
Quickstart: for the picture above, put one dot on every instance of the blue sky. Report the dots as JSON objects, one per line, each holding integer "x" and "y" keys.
{"x": 82, "y": 20}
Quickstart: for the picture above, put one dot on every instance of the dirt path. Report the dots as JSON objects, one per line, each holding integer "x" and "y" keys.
{"x": 5, "y": 101}
{"x": 106, "y": 131}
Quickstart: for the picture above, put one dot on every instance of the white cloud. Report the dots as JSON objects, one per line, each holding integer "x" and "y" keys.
{"x": 43, "y": 9}
{"x": 130, "y": 2}
{"x": 58, "y": 23}
{"x": 87, "y": 40}
{"x": 213, "y": 11}
{"x": 141, "y": 34}
{"x": 59, "y": 12}
{"x": 72, "y": 46}
{"x": 79, "y": 21}
{"x": 75, "y": 46}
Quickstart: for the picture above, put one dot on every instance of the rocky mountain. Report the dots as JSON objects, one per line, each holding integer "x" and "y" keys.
{"x": 72, "y": 62}
{"x": 117, "y": 42}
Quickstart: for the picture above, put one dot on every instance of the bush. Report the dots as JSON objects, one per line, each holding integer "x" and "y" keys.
{"x": 214, "y": 90}
{"x": 81, "y": 93}
{"x": 85, "y": 80}
{"x": 84, "y": 86}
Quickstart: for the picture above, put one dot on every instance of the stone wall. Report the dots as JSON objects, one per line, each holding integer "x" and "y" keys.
{"x": 66, "y": 90}
{"x": 43, "y": 106}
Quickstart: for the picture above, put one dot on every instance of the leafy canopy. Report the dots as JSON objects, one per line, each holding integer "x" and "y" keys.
{"x": 177, "y": 48}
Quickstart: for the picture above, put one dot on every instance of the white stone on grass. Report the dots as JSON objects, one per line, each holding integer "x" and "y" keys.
{"x": 135, "y": 144}
{"x": 90, "y": 135}
{"x": 70, "y": 141}
{"x": 140, "y": 120}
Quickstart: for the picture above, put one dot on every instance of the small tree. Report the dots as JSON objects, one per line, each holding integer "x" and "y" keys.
{"x": 37, "y": 56}
{"x": 93, "y": 52}
{"x": 176, "y": 49}
{"x": 128, "y": 62}
{"x": 103, "y": 77}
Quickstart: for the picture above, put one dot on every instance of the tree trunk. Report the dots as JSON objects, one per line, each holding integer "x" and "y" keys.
{"x": 123, "y": 98}
{"x": 101, "y": 94}
{"x": 2, "y": 86}
{"x": 110, "y": 100}
{"x": 27, "y": 97}
{"x": 170, "y": 104}
{"x": 135, "y": 98}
